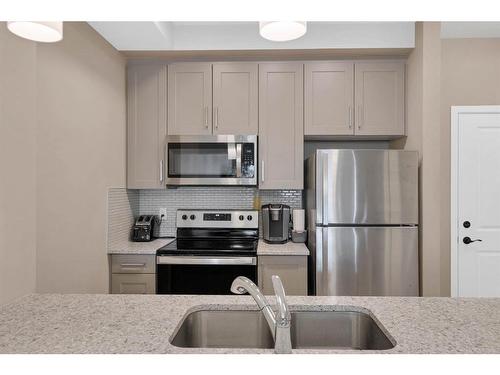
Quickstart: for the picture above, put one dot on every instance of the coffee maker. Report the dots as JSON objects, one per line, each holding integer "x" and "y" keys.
{"x": 275, "y": 222}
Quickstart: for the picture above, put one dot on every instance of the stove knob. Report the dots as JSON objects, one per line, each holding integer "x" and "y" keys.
{"x": 184, "y": 217}
{"x": 192, "y": 217}
{"x": 249, "y": 217}
{"x": 241, "y": 217}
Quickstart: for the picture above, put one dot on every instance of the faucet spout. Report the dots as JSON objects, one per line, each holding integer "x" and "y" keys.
{"x": 284, "y": 317}
{"x": 279, "y": 323}
{"x": 242, "y": 285}
{"x": 282, "y": 339}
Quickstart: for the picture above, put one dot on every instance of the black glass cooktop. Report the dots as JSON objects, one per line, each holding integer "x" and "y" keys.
{"x": 212, "y": 242}
{"x": 209, "y": 247}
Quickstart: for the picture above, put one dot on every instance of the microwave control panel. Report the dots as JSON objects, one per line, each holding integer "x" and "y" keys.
{"x": 248, "y": 160}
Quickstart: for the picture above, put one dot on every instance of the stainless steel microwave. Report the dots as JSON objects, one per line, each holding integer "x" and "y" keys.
{"x": 212, "y": 160}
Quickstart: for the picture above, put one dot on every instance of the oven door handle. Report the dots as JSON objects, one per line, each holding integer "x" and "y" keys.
{"x": 219, "y": 261}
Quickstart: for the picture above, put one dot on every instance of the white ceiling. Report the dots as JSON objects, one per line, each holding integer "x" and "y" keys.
{"x": 451, "y": 30}
{"x": 178, "y": 36}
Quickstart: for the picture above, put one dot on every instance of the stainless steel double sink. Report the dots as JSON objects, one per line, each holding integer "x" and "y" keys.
{"x": 309, "y": 330}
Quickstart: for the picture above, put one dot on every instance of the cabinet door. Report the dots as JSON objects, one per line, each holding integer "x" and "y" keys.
{"x": 146, "y": 125}
{"x": 281, "y": 128}
{"x": 190, "y": 99}
{"x": 329, "y": 98}
{"x": 235, "y": 98}
{"x": 379, "y": 98}
{"x": 292, "y": 271}
{"x": 133, "y": 283}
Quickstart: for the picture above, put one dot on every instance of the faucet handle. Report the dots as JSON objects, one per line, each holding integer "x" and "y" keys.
{"x": 284, "y": 315}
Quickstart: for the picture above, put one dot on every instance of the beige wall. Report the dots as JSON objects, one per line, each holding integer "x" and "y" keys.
{"x": 470, "y": 75}
{"x": 431, "y": 160}
{"x": 62, "y": 144}
{"x": 424, "y": 135}
{"x": 81, "y": 152}
{"x": 440, "y": 74}
{"x": 17, "y": 166}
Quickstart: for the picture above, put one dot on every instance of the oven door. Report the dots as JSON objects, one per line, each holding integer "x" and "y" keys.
{"x": 201, "y": 275}
{"x": 211, "y": 160}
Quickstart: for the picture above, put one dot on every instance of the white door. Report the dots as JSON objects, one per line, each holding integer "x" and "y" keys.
{"x": 476, "y": 213}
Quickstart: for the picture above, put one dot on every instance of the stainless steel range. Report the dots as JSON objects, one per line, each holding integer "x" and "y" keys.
{"x": 212, "y": 248}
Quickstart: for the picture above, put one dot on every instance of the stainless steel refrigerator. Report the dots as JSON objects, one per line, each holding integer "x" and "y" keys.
{"x": 362, "y": 222}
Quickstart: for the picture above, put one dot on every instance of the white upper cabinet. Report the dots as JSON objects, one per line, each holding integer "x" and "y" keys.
{"x": 146, "y": 125}
{"x": 235, "y": 98}
{"x": 329, "y": 98}
{"x": 379, "y": 98}
{"x": 190, "y": 99}
{"x": 281, "y": 125}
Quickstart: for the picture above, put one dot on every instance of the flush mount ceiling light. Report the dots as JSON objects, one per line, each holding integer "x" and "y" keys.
{"x": 46, "y": 32}
{"x": 281, "y": 31}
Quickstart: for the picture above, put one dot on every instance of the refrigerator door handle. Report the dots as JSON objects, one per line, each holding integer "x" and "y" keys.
{"x": 318, "y": 184}
{"x": 321, "y": 259}
{"x": 324, "y": 181}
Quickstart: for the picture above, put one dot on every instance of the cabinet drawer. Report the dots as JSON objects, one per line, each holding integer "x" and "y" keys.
{"x": 133, "y": 283}
{"x": 133, "y": 263}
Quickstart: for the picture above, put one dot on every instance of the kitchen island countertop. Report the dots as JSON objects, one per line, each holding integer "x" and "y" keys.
{"x": 93, "y": 323}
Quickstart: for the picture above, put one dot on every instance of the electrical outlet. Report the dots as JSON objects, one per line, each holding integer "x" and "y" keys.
{"x": 163, "y": 211}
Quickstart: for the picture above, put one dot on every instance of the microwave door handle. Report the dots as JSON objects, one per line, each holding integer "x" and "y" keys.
{"x": 161, "y": 171}
{"x": 238, "y": 160}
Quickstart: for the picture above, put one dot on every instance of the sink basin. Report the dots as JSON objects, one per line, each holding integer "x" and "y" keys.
{"x": 309, "y": 330}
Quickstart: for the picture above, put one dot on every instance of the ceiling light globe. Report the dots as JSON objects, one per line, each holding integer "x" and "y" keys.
{"x": 46, "y": 32}
{"x": 282, "y": 31}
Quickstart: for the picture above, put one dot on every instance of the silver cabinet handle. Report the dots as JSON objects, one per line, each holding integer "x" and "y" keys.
{"x": 360, "y": 114}
{"x": 216, "y": 117}
{"x": 206, "y": 117}
{"x": 222, "y": 261}
{"x": 350, "y": 117}
{"x": 262, "y": 171}
{"x": 129, "y": 265}
{"x": 161, "y": 170}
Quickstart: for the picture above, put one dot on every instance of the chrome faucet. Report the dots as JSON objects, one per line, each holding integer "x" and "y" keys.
{"x": 279, "y": 323}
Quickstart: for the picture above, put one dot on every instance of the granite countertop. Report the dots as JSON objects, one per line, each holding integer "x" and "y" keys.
{"x": 289, "y": 248}
{"x": 85, "y": 323}
{"x": 141, "y": 247}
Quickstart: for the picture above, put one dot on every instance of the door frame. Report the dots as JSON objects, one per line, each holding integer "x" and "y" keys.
{"x": 456, "y": 111}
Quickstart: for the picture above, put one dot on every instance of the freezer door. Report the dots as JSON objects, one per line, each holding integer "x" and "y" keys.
{"x": 366, "y": 261}
{"x": 374, "y": 187}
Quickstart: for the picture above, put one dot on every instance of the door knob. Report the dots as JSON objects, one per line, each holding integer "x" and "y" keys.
{"x": 468, "y": 240}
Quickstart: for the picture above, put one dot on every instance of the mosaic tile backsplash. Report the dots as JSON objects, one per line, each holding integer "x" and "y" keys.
{"x": 150, "y": 201}
{"x": 124, "y": 205}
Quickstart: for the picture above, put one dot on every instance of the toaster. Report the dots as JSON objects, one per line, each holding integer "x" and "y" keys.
{"x": 142, "y": 231}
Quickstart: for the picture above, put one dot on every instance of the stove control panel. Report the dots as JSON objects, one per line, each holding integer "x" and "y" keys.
{"x": 216, "y": 216}
{"x": 217, "y": 219}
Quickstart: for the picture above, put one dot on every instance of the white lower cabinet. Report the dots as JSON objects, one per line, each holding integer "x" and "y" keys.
{"x": 292, "y": 270}
{"x": 133, "y": 274}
